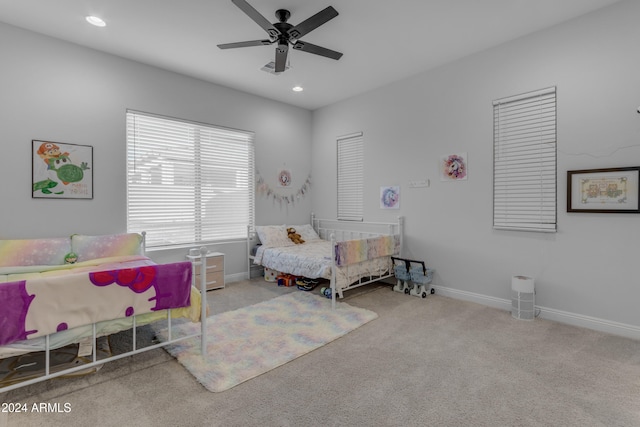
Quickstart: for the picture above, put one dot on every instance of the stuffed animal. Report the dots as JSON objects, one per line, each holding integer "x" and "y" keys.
{"x": 295, "y": 237}
{"x": 70, "y": 258}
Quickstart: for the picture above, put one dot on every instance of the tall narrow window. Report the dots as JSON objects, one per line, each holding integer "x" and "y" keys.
{"x": 350, "y": 177}
{"x": 188, "y": 182}
{"x": 524, "y": 144}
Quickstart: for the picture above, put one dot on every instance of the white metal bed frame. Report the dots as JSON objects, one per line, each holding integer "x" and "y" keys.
{"x": 337, "y": 231}
{"x": 369, "y": 229}
{"x": 170, "y": 340}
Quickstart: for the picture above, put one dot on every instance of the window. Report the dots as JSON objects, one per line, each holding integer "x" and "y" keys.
{"x": 188, "y": 182}
{"x": 524, "y": 144}
{"x": 350, "y": 177}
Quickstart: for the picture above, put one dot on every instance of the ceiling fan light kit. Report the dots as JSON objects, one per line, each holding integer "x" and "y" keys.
{"x": 285, "y": 34}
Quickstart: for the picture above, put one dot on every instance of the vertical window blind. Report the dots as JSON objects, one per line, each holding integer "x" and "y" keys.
{"x": 524, "y": 184}
{"x": 350, "y": 177}
{"x": 188, "y": 182}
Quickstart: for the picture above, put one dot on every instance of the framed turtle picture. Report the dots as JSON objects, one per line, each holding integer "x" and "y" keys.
{"x": 61, "y": 170}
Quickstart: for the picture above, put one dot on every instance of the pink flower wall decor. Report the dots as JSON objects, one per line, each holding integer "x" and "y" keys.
{"x": 453, "y": 167}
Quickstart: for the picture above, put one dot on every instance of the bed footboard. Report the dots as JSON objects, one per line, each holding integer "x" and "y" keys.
{"x": 352, "y": 230}
{"x": 355, "y": 243}
{"x": 50, "y": 372}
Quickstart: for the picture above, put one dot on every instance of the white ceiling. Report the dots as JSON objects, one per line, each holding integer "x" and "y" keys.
{"x": 382, "y": 41}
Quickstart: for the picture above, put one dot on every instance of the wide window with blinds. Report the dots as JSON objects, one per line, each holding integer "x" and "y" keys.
{"x": 350, "y": 177}
{"x": 188, "y": 183}
{"x": 524, "y": 143}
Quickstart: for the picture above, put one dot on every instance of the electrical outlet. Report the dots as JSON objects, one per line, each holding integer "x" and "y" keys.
{"x": 419, "y": 183}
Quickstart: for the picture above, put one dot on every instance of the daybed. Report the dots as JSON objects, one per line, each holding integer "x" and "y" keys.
{"x": 59, "y": 291}
{"x": 349, "y": 254}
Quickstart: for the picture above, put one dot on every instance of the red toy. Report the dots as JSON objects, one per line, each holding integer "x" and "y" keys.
{"x": 286, "y": 280}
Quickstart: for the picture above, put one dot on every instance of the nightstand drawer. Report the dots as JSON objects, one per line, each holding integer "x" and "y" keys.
{"x": 214, "y": 270}
{"x": 215, "y": 263}
{"x": 214, "y": 280}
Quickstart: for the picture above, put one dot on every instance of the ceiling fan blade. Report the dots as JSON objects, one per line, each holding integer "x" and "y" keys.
{"x": 317, "y": 50}
{"x": 312, "y": 23}
{"x": 281, "y": 57}
{"x": 257, "y": 17}
{"x": 245, "y": 44}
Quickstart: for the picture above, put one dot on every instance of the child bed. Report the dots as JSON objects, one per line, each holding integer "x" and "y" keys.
{"x": 59, "y": 291}
{"x": 349, "y": 254}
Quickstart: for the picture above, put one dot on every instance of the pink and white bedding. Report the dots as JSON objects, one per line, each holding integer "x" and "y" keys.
{"x": 41, "y": 300}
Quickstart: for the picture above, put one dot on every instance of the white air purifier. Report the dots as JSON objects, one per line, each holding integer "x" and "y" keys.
{"x": 523, "y": 301}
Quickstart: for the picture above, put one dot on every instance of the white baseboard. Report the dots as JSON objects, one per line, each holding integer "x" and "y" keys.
{"x": 230, "y": 278}
{"x": 574, "y": 319}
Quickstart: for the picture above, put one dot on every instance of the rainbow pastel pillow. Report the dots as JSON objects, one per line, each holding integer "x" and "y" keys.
{"x": 27, "y": 252}
{"x": 93, "y": 247}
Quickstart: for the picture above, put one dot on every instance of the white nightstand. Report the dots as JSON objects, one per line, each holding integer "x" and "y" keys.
{"x": 214, "y": 270}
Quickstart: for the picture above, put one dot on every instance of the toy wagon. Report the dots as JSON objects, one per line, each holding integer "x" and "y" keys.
{"x": 413, "y": 277}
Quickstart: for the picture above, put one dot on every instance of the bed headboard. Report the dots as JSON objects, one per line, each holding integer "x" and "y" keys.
{"x": 54, "y": 251}
{"x": 88, "y": 247}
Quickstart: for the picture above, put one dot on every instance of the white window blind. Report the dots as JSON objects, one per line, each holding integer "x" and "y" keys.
{"x": 350, "y": 177}
{"x": 524, "y": 184}
{"x": 188, "y": 182}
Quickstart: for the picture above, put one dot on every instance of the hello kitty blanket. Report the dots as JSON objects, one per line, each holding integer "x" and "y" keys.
{"x": 40, "y": 303}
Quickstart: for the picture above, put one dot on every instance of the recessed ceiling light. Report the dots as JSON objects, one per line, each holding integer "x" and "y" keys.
{"x": 298, "y": 89}
{"x": 94, "y": 20}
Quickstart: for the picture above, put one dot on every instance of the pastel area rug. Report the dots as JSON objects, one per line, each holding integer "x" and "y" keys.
{"x": 250, "y": 341}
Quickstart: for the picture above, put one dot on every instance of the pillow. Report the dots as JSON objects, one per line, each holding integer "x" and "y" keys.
{"x": 306, "y": 232}
{"x": 93, "y": 247}
{"x": 272, "y": 236}
{"x": 29, "y": 252}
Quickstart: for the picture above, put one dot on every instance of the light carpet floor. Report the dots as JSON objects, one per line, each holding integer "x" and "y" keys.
{"x": 435, "y": 362}
{"x": 250, "y": 341}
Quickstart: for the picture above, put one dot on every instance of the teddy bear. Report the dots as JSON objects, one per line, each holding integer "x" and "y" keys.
{"x": 295, "y": 237}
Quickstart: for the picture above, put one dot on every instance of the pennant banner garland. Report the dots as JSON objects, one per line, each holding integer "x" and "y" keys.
{"x": 263, "y": 189}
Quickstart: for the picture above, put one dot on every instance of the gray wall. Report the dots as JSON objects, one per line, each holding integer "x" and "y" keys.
{"x": 52, "y": 90}
{"x": 586, "y": 273}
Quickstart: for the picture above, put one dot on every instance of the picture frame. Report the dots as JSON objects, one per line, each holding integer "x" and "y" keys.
{"x": 454, "y": 167}
{"x": 61, "y": 170}
{"x": 390, "y": 197}
{"x": 612, "y": 190}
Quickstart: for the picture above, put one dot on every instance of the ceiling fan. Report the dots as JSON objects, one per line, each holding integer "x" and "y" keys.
{"x": 285, "y": 34}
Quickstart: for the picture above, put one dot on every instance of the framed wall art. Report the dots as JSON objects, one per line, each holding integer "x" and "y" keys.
{"x": 613, "y": 190}
{"x": 61, "y": 171}
{"x": 390, "y": 197}
{"x": 453, "y": 167}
